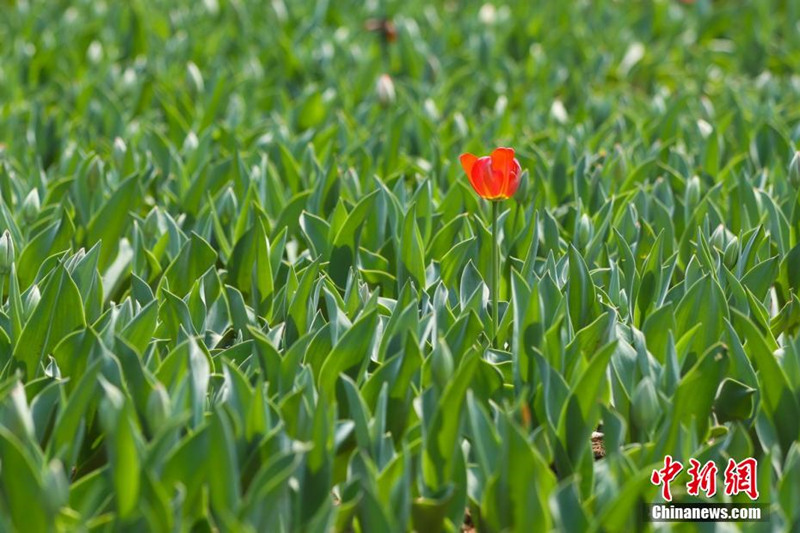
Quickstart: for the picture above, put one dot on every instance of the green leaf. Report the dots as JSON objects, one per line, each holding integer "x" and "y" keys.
{"x": 125, "y": 462}
{"x": 704, "y": 303}
{"x": 55, "y": 238}
{"x": 59, "y": 312}
{"x": 194, "y": 259}
{"x": 110, "y": 222}
{"x": 349, "y": 355}
{"x": 23, "y": 495}
{"x": 734, "y": 401}
{"x": 251, "y": 267}
{"x": 343, "y": 252}
{"x": 581, "y": 292}
{"x": 778, "y": 402}
{"x": 299, "y": 309}
{"x": 411, "y": 252}
{"x": 695, "y": 394}
{"x": 139, "y": 331}
{"x": 442, "y": 433}
{"x": 224, "y": 477}
{"x": 761, "y": 277}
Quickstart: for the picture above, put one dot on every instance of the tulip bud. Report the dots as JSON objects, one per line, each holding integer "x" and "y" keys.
{"x": 227, "y": 209}
{"x": 460, "y": 124}
{"x": 500, "y": 105}
{"x": 119, "y": 149}
{"x": 57, "y": 483}
{"x": 95, "y": 52}
{"x": 717, "y": 239}
{"x": 585, "y": 231}
{"x": 663, "y": 192}
{"x": 644, "y": 405}
{"x": 31, "y": 301}
{"x": 158, "y": 406}
{"x": 6, "y": 253}
{"x": 558, "y": 112}
{"x": 705, "y": 128}
{"x": 31, "y": 206}
{"x": 794, "y": 170}
{"x": 73, "y": 261}
{"x": 194, "y": 78}
{"x": 190, "y": 143}
{"x": 431, "y": 110}
{"x": 152, "y": 227}
{"x": 52, "y": 370}
{"x": 623, "y": 302}
{"x": 731, "y": 253}
{"x": 487, "y": 14}
{"x": 385, "y": 90}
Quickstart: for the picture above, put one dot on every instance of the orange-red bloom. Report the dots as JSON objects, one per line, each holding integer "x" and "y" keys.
{"x": 386, "y": 28}
{"x": 495, "y": 176}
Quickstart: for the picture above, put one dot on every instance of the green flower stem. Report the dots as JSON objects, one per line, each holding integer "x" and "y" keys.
{"x": 495, "y": 273}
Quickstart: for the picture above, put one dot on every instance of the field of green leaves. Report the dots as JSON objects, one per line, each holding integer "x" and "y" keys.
{"x": 245, "y": 286}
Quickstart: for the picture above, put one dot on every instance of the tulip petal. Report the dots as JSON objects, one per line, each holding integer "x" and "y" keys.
{"x": 494, "y": 177}
{"x": 467, "y": 161}
{"x": 503, "y": 160}
{"x": 512, "y": 182}
{"x": 497, "y": 183}
{"x": 481, "y": 177}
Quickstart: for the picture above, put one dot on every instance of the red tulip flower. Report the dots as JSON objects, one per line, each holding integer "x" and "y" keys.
{"x": 495, "y": 176}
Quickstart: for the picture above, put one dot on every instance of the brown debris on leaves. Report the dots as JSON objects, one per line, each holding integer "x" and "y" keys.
{"x": 598, "y": 447}
{"x": 468, "y": 526}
